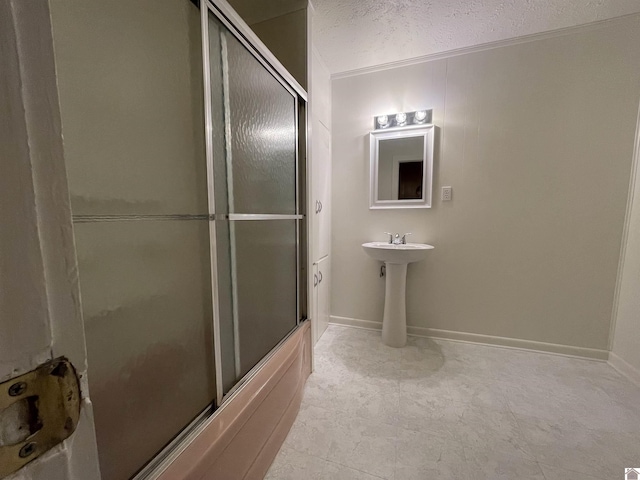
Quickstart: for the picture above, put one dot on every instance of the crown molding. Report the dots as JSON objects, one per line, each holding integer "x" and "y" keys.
{"x": 316, "y": 52}
{"x": 587, "y": 27}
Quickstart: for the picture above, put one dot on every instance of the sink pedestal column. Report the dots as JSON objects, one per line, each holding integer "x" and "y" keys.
{"x": 394, "y": 322}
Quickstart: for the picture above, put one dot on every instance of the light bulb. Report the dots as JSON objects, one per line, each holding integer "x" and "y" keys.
{"x": 401, "y": 118}
{"x": 420, "y": 116}
{"x": 383, "y": 121}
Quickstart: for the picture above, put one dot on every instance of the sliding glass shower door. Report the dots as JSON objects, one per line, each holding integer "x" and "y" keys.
{"x": 132, "y": 110}
{"x": 181, "y": 145}
{"x": 253, "y": 155}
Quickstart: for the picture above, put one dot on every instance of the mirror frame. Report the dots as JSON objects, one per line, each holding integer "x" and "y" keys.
{"x": 425, "y": 131}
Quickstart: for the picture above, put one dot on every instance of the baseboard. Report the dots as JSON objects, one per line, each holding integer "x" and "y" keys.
{"x": 355, "y": 322}
{"x": 625, "y": 368}
{"x": 504, "y": 342}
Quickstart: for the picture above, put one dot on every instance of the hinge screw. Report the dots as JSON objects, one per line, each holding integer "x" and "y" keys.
{"x": 17, "y": 389}
{"x": 27, "y": 450}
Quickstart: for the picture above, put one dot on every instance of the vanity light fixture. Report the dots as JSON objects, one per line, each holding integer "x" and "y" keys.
{"x": 402, "y": 119}
{"x": 383, "y": 121}
{"x": 420, "y": 116}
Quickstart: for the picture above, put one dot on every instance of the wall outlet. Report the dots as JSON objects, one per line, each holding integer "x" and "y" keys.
{"x": 447, "y": 192}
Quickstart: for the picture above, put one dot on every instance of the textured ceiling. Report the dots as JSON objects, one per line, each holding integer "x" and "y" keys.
{"x": 352, "y": 34}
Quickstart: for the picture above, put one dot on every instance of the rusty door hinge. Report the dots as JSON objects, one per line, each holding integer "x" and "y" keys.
{"x": 38, "y": 410}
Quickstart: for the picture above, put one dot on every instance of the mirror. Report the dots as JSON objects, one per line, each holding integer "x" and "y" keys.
{"x": 401, "y": 167}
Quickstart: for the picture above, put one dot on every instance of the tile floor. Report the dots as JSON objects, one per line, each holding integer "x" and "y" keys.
{"x": 448, "y": 410}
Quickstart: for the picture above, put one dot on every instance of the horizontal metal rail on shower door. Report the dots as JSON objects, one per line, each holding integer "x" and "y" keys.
{"x": 138, "y": 217}
{"x": 177, "y": 217}
{"x": 251, "y": 216}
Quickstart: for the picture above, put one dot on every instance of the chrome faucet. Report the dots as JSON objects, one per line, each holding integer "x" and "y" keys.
{"x": 397, "y": 239}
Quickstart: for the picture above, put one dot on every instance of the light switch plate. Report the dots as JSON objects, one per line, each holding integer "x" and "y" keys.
{"x": 447, "y": 192}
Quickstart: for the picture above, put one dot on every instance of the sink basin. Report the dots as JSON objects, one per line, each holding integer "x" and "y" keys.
{"x": 397, "y": 254}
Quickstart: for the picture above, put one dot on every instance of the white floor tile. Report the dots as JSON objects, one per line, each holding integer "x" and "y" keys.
{"x": 438, "y": 409}
{"x": 555, "y": 473}
{"x": 293, "y": 465}
{"x": 364, "y": 445}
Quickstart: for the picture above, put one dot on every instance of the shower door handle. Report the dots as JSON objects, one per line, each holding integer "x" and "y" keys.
{"x": 315, "y": 280}
{"x": 319, "y": 277}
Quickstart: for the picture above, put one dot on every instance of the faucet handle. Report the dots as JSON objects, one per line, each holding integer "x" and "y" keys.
{"x": 390, "y": 236}
{"x": 404, "y": 237}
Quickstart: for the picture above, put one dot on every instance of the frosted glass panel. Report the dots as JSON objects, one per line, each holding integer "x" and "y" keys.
{"x": 146, "y": 299}
{"x": 254, "y": 160}
{"x": 131, "y": 101}
{"x": 265, "y": 259}
{"x": 260, "y": 155}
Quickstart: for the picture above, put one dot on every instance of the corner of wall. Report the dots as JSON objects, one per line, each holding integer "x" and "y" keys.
{"x": 624, "y": 340}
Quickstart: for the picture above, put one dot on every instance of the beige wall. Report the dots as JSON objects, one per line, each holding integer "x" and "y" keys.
{"x": 286, "y": 38}
{"x": 536, "y": 140}
{"x": 626, "y": 341}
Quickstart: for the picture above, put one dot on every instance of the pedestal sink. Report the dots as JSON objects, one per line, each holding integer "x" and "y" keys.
{"x": 396, "y": 257}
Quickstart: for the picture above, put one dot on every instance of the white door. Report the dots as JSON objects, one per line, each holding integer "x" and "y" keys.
{"x": 320, "y": 157}
{"x": 315, "y": 320}
{"x": 40, "y": 315}
{"x": 323, "y": 298}
{"x": 323, "y": 156}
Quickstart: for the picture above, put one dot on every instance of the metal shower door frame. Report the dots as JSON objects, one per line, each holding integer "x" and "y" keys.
{"x": 236, "y": 26}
